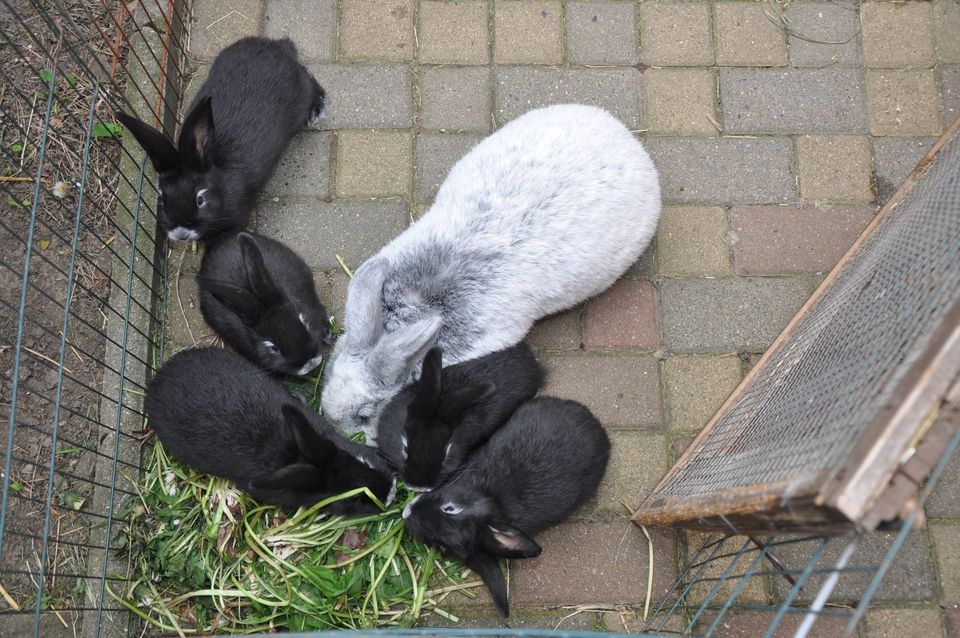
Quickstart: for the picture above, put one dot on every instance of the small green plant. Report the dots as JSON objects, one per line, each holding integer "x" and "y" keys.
{"x": 16, "y": 147}
{"x": 16, "y": 486}
{"x": 72, "y": 500}
{"x": 107, "y": 129}
{"x": 205, "y": 557}
{"x": 23, "y": 203}
{"x": 46, "y": 75}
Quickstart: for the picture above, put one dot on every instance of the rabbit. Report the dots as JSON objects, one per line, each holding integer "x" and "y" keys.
{"x": 427, "y": 430}
{"x": 222, "y": 415}
{"x": 255, "y": 98}
{"x": 545, "y": 461}
{"x": 260, "y": 297}
{"x": 546, "y": 212}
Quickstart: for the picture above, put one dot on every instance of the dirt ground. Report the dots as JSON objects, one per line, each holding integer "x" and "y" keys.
{"x": 29, "y": 50}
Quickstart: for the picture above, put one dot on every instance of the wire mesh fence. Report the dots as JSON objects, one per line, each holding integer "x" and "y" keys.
{"x": 81, "y": 281}
{"x": 818, "y": 430}
{"x": 796, "y": 585}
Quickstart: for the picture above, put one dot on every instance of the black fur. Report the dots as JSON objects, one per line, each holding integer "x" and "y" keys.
{"x": 253, "y": 290}
{"x": 221, "y": 415}
{"x": 459, "y": 406}
{"x": 256, "y": 97}
{"x": 545, "y": 461}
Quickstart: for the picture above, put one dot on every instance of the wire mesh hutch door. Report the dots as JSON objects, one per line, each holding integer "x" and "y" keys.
{"x": 838, "y": 423}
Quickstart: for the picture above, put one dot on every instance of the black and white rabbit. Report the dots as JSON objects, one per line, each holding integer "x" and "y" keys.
{"x": 222, "y": 415}
{"x": 548, "y": 459}
{"x": 546, "y": 212}
{"x": 428, "y": 429}
{"x": 255, "y": 98}
{"x": 260, "y": 297}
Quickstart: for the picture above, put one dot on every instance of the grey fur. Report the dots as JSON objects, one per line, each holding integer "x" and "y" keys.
{"x": 541, "y": 215}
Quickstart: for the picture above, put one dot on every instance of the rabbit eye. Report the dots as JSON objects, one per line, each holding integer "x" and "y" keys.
{"x": 271, "y": 348}
{"x": 451, "y": 508}
{"x": 201, "y": 200}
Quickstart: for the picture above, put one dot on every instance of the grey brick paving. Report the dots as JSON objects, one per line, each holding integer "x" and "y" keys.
{"x": 435, "y": 155}
{"x": 597, "y": 382}
{"x": 304, "y": 169}
{"x": 789, "y": 239}
{"x": 792, "y": 101}
{"x": 637, "y": 462}
{"x": 600, "y": 571}
{"x": 944, "y": 501}
{"x": 520, "y": 89}
{"x": 219, "y": 23}
{"x": 946, "y": 26}
{"x": 311, "y": 24}
{"x": 675, "y": 33}
{"x": 361, "y": 96}
{"x": 601, "y": 33}
{"x": 894, "y": 158}
{"x": 950, "y": 88}
{"x": 455, "y": 98}
{"x": 725, "y": 315}
{"x": 319, "y": 231}
{"x": 724, "y": 170}
{"x": 826, "y": 22}
{"x": 910, "y": 576}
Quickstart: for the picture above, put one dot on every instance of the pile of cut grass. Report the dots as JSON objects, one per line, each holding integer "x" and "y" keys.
{"x": 205, "y": 557}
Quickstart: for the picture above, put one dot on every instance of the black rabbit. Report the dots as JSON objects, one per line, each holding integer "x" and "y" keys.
{"x": 548, "y": 459}
{"x": 260, "y": 297}
{"x": 255, "y": 98}
{"x": 428, "y": 429}
{"x": 222, "y": 415}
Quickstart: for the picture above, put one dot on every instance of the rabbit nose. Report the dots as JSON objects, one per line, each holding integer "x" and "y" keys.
{"x": 182, "y": 234}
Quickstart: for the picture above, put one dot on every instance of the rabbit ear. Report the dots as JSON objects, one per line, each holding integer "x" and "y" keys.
{"x": 289, "y": 477}
{"x": 196, "y": 133}
{"x": 363, "y": 312}
{"x": 235, "y": 297}
{"x": 507, "y": 541}
{"x": 430, "y": 387}
{"x": 257, "y": 275}
{"x": 398, "y": 352}
{"x": 456, "y": 402}
{"x": 317, "y": 449}
{"x": 161, "y": 151}
{"x": 488, "y": 568}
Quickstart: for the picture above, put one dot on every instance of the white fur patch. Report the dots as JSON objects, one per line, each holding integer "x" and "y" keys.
{"x": 446, "y": 452}
{"x": 408, "y": 508}
{"x": 310, "y": 365}
{"x": 418, "y": 489}
{"x": 393, "y": 493}
{"x": 181, "y": 234}
{"x": 303, "y": 321}
{"x": 451, "y": 508}
{"x": 403, "y": 442}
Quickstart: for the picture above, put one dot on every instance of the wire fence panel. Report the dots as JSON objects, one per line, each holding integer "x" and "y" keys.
{"x": 820, "y": 427}
{"x": 743, "y": 585}
{"x": 82, "y": 283}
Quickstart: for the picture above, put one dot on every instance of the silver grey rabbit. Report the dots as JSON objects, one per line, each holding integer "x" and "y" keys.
{"x": 546, "y": 212}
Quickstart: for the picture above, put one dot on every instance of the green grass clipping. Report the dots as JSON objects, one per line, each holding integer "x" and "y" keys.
{"x": 204, "y": 557}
